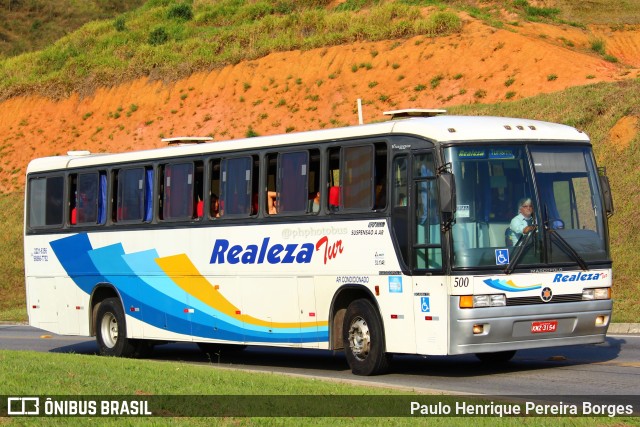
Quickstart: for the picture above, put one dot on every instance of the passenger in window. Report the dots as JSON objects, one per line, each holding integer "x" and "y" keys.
{"x": 215, "y": 206}
{"x": 315, "y": 203}
{"x": 272, "y": 202}
{"x": 523, "y": 222}
{"x": 402, "y": 199}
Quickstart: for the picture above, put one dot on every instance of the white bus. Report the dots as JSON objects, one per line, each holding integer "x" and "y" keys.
{"x": 379, "y": 239}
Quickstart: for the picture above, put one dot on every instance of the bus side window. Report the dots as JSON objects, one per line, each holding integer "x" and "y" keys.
{"x": 198, "y": 191}
{"x": 380, "y": 174}
{"x": 46, "y": 201}
{"x": 86, "y": 198}
{"x": 133, "y": 199}
{"x": 357, "y": 175}
{"x": 236, "y": 186}
{"x": 293, "y": 182}
{"x": 313, "y": 186}
{"x": 180, "y": 192}
{"x": 271, "y": 195}
{"x": 72, "y": 201}
{"x": 214, "y": 189}
{"x": 333, "y": 183}
{"x": 399, "y": 218}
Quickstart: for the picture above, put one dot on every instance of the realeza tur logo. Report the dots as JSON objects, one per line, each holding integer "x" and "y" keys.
{"x": 574, "y": 277}
{"x": 276, "y": 253}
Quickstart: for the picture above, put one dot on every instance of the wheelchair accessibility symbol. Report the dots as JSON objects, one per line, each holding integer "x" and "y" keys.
{"x": 502, "y": 256}
{"x": 424, "y": 305}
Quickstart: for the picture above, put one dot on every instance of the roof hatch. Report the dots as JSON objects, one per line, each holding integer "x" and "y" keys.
{"x": 414, "y": 112}
{"x": 182, "y": 140}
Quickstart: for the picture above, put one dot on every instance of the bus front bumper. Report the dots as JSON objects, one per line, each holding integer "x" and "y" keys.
{"x": 480, "y": 330}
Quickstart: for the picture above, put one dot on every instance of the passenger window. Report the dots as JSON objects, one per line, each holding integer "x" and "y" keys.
{"x": 46, "y": 201}
{"x": 293, "y": 182}
{"x": 87, "y": 198}
{"x": 182, "y": 191}
{"x": 238, "y": 195}
{"x": 214, "y": 189}
{"x": 133, "y": 199}
{"x": 357, "y": 177}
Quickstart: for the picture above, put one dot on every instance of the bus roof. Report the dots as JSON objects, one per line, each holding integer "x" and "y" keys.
{"x": 440, "y": 128}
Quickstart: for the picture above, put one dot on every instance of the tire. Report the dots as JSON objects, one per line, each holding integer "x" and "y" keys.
{"x": 496, "y": 357}
{"x": 363, "y": 338}
{"x": 111, "y": 332}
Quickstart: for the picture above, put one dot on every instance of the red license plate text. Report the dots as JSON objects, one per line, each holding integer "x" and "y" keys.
{"x": 543, "y": 327}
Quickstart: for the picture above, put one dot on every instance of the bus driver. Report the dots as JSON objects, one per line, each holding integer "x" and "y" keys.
{"x": 522, "y": 223}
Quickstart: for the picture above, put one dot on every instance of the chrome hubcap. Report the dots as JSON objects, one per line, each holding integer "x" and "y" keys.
{"x": 359, "y": 338}
{"x": 109, "y": 329}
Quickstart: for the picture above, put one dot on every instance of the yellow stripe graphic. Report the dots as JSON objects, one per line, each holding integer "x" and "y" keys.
{"x": 182, "y": 271}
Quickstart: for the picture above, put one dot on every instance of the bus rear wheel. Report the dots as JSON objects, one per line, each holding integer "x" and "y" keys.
{"x": 111, "y": 332}
{"x": 363, "y": 339}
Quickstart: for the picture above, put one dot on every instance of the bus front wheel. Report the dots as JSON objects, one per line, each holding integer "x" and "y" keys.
{"x": 111, "y": 331}
{"x": 363, "y": 338}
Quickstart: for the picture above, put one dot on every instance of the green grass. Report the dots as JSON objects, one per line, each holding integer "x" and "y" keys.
{"x": 12, "y": 293}
{"x": 31, "y": 25}
{"x": 604, "y": 12}
{"x": 155, "y": 40}
{"x": 171, "y": 39}
{"x": 52, "y": 374}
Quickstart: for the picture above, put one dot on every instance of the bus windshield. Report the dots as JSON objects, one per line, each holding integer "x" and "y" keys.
{"x": 539, "y": 203}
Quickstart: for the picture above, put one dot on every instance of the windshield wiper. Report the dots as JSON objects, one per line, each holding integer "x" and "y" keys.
{"x": 562, "y": 242}
{"x": 520, "y": 246}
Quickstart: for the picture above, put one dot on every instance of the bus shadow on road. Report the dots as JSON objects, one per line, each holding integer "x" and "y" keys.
{"x": 524, "y": 360}
{"x": 329, "y": 361}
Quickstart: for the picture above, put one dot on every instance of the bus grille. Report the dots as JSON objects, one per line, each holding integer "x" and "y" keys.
{"x": 537, "y": 300}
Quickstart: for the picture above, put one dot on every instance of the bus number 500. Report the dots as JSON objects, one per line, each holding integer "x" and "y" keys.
{"x": 461, "y": 282}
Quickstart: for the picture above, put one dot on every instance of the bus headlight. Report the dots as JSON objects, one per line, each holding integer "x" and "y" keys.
{"x": 478, "y": 301}
{"x": 596, "y": 293}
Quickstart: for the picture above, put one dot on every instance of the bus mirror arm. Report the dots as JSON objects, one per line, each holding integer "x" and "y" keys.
{"x": 606, "y": 194}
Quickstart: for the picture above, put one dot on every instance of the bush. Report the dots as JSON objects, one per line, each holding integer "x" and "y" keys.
{"x": 597, "y": 45}
{"x": 180, "y": 12}
{"x": 251, "y": 133}
{"x": 158, "y": 36}
{"x": 119, "y": 24}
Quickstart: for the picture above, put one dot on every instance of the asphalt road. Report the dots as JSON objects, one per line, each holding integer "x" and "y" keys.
{"x": 610, "y": 370}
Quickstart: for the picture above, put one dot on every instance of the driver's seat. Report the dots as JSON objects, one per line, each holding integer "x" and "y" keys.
{"x": 508, "y": 237}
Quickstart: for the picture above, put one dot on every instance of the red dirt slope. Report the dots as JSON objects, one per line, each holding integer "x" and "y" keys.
{"x": 302, "y": 90}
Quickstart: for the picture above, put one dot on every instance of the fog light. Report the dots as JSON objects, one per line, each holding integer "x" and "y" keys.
{"x": 602, "y": 320}
{"x": 478, "y": 329}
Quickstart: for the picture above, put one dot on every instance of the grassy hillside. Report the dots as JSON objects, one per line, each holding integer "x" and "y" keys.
{"x": 167, "y": 39}
{"x": 31, "y": 25}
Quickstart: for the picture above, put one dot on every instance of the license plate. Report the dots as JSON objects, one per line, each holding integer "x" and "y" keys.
{"x": 544, "y": 327}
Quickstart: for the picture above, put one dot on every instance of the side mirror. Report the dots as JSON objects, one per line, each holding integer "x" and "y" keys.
{"x": 447, "y": 194}
{"x": 606, "y": 194}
